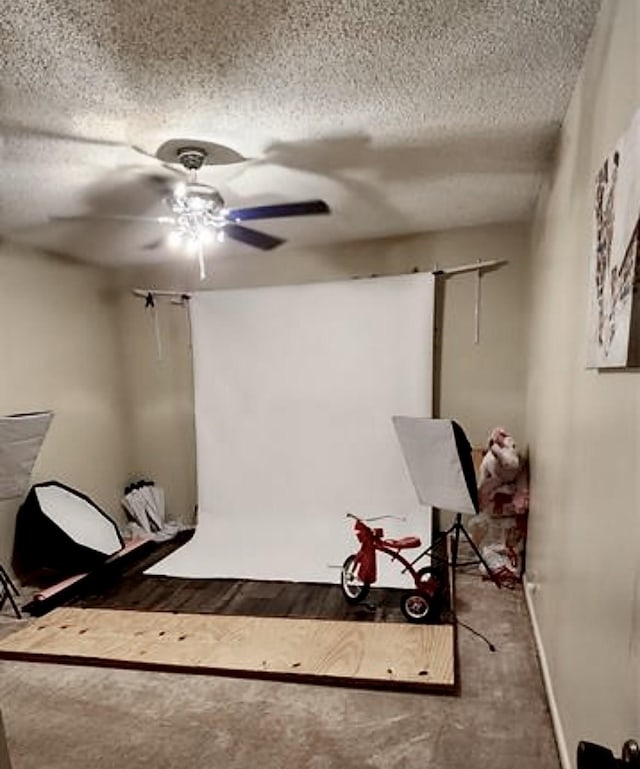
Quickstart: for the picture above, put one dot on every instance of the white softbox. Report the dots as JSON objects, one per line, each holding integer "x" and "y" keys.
{"x": 439, "y": 460}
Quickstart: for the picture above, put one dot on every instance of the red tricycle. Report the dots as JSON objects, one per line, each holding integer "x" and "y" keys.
{"x": 359, "y": 571}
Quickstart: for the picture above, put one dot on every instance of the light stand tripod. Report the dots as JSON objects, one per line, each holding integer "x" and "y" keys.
{"x": 438, "y": 457}
{"x": 6, "y": 588}
{"x": 456, "y": 530}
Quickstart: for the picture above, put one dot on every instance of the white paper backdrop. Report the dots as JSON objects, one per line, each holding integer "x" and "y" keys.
{"x": 295, "y": 388}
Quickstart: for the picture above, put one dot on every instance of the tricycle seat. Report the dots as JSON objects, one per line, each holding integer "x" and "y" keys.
{"x": 406, "y": 543}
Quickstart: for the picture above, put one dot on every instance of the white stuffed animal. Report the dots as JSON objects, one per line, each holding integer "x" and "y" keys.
{"x": 503, "y": 494}
{"x": 500, "y": 465}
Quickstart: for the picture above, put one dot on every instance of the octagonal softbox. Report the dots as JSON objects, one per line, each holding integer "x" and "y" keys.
{"x": 61, "y": 530}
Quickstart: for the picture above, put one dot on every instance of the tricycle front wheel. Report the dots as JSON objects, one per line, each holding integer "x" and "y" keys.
{"x": 353, "y": 588}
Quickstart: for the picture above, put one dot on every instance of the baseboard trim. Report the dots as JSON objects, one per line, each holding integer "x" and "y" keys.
{"x": 561, "y": 741}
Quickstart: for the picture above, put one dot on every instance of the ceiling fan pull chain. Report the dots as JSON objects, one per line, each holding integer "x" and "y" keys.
{"x": 203, "y": 274}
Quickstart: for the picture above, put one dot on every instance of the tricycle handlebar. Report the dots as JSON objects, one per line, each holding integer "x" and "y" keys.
{"x": 376, "y": 517}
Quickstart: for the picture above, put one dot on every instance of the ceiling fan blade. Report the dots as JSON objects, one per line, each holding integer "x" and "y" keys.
{"x": 304, "y": 208}
{"x": 20, "y": 130}
{"x": 142, "y": 151}
{"x": 153, "y": 245}
{"x": 252, "y": 237}
{"x": 113, "y": 218}
{"x": 178, "y": 171}
{"x": 17, "y": 129}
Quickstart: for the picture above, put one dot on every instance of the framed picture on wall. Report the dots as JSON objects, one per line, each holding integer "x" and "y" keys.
{"x": 614, "y": 312}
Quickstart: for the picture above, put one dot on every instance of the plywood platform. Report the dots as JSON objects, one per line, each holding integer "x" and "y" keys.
{"x": 393, "y": 655}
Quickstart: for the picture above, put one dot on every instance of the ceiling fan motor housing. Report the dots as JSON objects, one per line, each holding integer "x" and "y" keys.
{"x": 192, "y": 158}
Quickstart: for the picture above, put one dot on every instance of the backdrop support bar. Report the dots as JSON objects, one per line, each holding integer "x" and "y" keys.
{"x": 489, "y": 264}
{"x": 145, "y": 292}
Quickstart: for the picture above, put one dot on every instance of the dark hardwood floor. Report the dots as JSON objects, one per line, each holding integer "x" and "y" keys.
{"x": 242, "y": 597}
{"x": 127, "y": 587}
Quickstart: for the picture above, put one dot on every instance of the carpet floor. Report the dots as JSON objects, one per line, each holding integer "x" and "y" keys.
{"x": 60, "y": 717}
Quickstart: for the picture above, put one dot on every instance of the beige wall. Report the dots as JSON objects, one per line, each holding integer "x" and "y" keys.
{"x": 59, "y": 350}
{"x": 159, "y": 400}
{"x": 481, "y": 385}
{"x": 583, "y": 426}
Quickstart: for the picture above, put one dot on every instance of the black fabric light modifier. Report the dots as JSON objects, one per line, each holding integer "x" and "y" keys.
{"x": 61, "y": 530}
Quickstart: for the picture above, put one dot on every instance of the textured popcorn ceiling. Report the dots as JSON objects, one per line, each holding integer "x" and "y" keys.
{"x": 405, "y": 116}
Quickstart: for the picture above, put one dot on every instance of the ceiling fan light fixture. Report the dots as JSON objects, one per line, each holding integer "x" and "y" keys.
{"x": 198, "y": 212}
{"x": 190, "y": 197}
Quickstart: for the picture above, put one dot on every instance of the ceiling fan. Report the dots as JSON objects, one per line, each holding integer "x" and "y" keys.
{"x": 197, "y": 211}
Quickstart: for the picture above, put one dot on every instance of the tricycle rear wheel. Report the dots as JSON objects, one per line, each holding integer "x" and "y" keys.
{"x": 425, "y": 604}
{"x": 419, "y": 607}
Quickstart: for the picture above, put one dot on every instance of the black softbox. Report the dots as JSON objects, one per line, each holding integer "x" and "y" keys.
{"x": 61, "y": 532}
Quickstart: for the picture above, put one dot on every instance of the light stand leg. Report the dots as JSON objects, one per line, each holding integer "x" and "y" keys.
{"x": 456, "y": 540}
{"x": 7, "y": 586}
{"x": 429, "y": 550}
{"x": 456, "y": 546}
{"x": 6, "y": 578}
{"x": 480, "y": 557}
{"x": 456, "y": 527}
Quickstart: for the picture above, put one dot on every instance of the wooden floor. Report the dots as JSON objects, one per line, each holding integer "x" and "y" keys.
{"x": 385, "y": 655}
{"x": 285, "y": 630}
{"x": 133, "y": 590}
{"x": 242, "y": 598}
